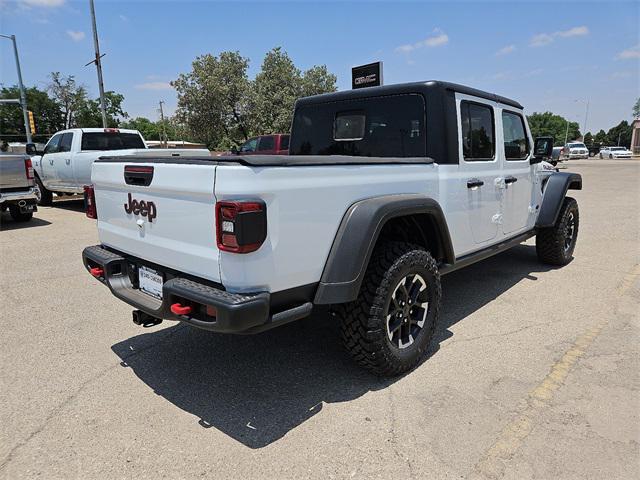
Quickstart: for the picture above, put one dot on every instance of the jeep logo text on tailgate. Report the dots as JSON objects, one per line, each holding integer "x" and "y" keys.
{"x": 146, "y": 209}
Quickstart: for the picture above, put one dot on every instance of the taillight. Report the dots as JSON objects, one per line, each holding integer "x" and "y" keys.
{"x": 28, "y": 166}
{"x": 241, "y": 226}
{"x": 90, "y": 202}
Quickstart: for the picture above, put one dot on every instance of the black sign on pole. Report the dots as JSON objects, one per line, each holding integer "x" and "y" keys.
{"x": 369, "y": 75}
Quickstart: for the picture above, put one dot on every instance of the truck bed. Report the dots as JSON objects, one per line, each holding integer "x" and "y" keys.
{"x": 13, "y": 175}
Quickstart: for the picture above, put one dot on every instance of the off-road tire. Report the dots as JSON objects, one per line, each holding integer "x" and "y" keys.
{"x": 46, "y": 196}
{"x": 551, "y": 245}
{"x": 363, "y": 322}
{"x": 19, "y": 216}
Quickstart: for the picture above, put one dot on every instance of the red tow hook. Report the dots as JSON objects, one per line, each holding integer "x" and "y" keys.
{"x": 180, "y": 309}
{"x": 97, "y": 272}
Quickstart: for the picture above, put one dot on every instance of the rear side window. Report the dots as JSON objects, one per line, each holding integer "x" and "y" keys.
{"x": 516, "y": 142}
{"x": 284, "y": 142}
{"x": 391, "y": 126}
{"x": 478, "y": 132}
{"x": 266, "y": 143}
{"x": 65, "y": 142}
{"x": 111, "y": 141}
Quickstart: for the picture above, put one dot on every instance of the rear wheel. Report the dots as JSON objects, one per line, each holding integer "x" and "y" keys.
{"x": 46, "y": 196}
{"x": 389, "y": 327}
{"x": 611, "y": 156}
{"x": 555, "y": 245}
{"x": 19, "y": 216}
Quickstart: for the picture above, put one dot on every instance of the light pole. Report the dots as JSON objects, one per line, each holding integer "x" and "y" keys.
{"x": 23, "y": 96}
{"x": 98, "y": 64}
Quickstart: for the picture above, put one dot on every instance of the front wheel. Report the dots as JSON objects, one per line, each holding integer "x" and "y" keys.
{"x": 46, "y": 196}
{"x": 389, "y": 327}
{"x": 555, "y": 245}
{"x": 601, "y": 157}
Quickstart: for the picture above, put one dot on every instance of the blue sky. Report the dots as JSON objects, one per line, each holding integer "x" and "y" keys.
{"x": 548, "y": 55}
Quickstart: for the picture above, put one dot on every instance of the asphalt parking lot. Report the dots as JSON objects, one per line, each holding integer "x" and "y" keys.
{"x": 535, "y": 372}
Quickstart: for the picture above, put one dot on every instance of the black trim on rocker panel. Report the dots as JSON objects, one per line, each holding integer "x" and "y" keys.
{"x": 554, "y": 193}
{"x": 357, "y": 236}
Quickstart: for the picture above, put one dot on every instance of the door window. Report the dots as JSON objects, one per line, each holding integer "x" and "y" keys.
{"x": 284, "y": 142}
{"x": 478, "y": 131}
{"x": 516, "y": 142}
{"x": 53, "y": 145}
{"x": 266, "y": 144}
{"x": 65, "y": 142}
{"x": 249, "y": 145}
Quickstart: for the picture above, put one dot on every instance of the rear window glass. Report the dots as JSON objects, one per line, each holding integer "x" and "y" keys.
{"x": 577, "y": 145}
{"x": 392, "y": 126}
{"x": 284, "y": 142}
{"x": 477, "y": 131}
{"x": 111, "y": 141}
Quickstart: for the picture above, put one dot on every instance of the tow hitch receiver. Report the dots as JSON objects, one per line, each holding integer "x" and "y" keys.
{"x": 144, "y": 319}
{"x": 179, "y": 309}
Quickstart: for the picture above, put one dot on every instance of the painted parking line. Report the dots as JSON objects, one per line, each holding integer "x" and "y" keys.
{"x": 492, "y": 463}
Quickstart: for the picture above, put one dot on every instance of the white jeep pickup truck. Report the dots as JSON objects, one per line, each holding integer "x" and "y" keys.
{"x": 65, "y": 164}
{"x": 385, "y": 190}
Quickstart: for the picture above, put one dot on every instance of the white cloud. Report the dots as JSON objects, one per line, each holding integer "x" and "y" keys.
{"x": 76, "y": 36}
{"x": 154, "y": 86}
{"x": 437, "y": 39}
{"x": 124, "y": 18}
{"x": 543, "y": 39}
{"x": 574, "y": 32}
{"x": 506, "y": 50}
{"x": 41, "y": 3}
{"x": 633, "y": 52}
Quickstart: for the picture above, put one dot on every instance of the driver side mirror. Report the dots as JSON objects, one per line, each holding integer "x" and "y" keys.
{"x": 30, "y": 148}
{"x": 542, "y": 148}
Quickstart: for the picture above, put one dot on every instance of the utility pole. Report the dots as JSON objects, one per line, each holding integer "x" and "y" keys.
{"x": 163, "y": 138}
{"x": 98, "y": 64}
{"x": 586, "y": 113}
{"x": 23, "y": 96}
{"x": 566, "y": 134}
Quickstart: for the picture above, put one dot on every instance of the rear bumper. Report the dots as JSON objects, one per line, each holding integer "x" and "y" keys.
{"x": 234, "y": 312}
{"x": 29, "y": 195}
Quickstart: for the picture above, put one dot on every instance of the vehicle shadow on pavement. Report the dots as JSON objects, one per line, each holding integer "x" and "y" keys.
{"x": 257, "y": 388}
{"x": 74, "y": 203}
{"x": 7, "y": 223}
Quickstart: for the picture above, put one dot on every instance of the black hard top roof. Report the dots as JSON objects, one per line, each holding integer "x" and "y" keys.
{"x": 428, "y": 87}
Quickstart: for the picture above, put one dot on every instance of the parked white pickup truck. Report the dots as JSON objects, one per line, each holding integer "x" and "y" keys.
{"x": 385, "y": 190}
{"x": 65, "y": 164}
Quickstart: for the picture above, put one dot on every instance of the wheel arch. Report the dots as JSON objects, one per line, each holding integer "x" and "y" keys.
{"x": 555, "y": 190}
{"x": 409, "y": 217}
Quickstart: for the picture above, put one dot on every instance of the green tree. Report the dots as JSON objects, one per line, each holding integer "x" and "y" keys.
{"x": 278, "y": 85}
{"x": 212, "y": 99}
{"x": 151, "y": 130}
{"x": 588, "y": 138}
{"x": 620, "y": 134}
{"x": 88, "y": 113}
{"x": 548, "y": 124}
{"x": 68, "y": 95}
{"x": 47, "y": 114}
{"x": 317, "y": 80}
{"x": 274, "y": 93}
{"x": 601, "y": 138}
{"x": 636, "y": 109}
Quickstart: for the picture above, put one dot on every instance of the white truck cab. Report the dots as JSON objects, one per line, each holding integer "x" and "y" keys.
{"x": 65, "y": 163}
{"x": 384, "y": 190}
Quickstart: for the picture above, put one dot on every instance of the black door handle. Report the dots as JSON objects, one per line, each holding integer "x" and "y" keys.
{"x": 474, "y": 182}
{"x": 509, "y": 180}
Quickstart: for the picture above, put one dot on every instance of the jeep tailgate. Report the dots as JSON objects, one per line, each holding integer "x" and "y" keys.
{"x": 174, "y": 227}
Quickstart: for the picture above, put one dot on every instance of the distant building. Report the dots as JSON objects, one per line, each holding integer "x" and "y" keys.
{"x": 635, "y": 137}
{"x": 174, "y": 144}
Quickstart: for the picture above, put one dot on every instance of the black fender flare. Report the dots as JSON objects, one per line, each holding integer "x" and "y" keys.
{"x": 554, "y": 193}
{"x": 357, "y": 235}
